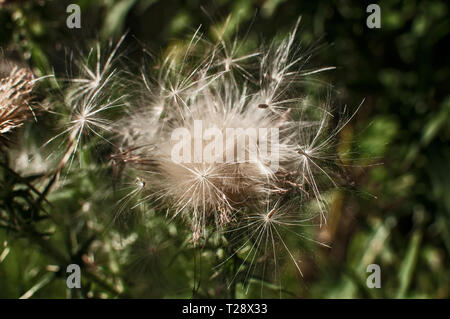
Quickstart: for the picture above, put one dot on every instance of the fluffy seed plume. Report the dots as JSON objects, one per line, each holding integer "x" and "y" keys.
{"x": 232, "y": 141}
{"x": 183, "y": 137}
{"x": 88, "y": 96}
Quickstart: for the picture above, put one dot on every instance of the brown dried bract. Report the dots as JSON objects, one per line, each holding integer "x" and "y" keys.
{"x": 15, "y": 95}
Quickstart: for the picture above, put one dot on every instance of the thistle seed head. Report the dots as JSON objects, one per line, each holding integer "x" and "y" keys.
{"x": 178, "y": 135}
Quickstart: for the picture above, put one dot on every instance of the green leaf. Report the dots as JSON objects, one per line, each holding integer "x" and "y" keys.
{"x": 406, "y": 271}
{"x": 115, "y": 19}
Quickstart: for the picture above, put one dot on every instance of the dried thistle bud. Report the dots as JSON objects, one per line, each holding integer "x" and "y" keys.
{"x": 15, "y": 94}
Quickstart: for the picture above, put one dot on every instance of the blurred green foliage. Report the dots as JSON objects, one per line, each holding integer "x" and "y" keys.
{"x": 395, "y": 214}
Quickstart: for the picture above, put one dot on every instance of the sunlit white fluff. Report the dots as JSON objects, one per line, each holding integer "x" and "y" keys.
{"x": 220, "y": 91}
{"x": 215, "y": 84}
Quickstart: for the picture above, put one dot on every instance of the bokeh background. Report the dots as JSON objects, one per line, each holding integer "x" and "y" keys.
{"x": 394, "y": 210}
